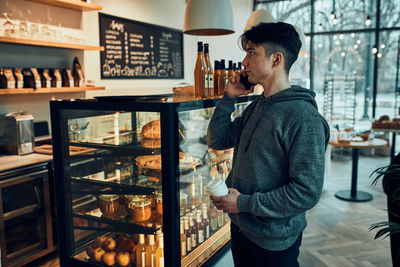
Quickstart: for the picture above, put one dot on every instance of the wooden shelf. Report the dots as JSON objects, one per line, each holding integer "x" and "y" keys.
{"x": 12, "y": 40}
{"x": 49, "y": 90}
{"x": 70, "y": 4}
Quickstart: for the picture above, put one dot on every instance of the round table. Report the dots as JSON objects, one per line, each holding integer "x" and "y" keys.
{"x": 353, "y": 194}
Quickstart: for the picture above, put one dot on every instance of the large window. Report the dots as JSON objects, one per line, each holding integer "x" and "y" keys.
{"x": 347, "y": 45}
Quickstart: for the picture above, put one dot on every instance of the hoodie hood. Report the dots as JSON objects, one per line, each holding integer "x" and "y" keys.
{"x": 293, "y": 93}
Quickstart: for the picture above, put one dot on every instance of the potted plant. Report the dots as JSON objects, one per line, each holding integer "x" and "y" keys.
{"x": 391, "y": 187}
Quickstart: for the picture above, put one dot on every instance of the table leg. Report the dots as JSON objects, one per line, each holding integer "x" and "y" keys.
{"x": 353, "y": 194}
{"x": 393, "y": 148}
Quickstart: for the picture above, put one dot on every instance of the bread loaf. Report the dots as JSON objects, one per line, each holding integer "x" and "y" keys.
{"x": 151, "y": 143}
{"x": 152, "y": 129}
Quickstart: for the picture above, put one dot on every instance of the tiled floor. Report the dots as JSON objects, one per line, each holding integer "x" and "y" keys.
{"x": 337, "y": 233}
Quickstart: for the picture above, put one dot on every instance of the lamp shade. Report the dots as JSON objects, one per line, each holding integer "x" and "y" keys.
{"x": 208, "y": 17}
{"x": 302, "y": 39}
{"x": 258, "y": 16}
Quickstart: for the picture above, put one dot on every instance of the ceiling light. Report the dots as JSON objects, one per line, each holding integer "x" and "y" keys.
{"x": 368, "y": 21}
{"x": 332, "y": 15}
{"x": 258, "y": 16}
{"x": 208, "y": 17}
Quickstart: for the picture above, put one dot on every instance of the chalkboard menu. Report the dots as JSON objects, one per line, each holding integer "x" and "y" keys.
{"x": 137, "y": 50}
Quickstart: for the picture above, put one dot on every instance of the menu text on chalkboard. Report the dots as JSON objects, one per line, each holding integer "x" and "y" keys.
{"x": 138, "y": 50}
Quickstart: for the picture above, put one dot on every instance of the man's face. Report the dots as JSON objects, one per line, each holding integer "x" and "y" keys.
{"x": 258, "y": 65}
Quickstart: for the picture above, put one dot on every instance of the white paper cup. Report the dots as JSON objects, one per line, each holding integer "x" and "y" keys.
{"x": 217, "y": 187}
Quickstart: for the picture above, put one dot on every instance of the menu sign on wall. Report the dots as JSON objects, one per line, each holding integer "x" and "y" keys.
{"x": 137, "y": 50}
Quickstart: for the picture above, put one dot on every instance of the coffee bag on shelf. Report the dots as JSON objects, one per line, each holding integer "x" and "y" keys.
{"x": 19, "y": 78}
{"x": 45, "y": 78}
{"x": 56, "y": 80}
{"x": 29, "y": 79}
{"x": 10, "y": 78}
{"x": 36, "y": 76}
{"x": 67, "y": 79}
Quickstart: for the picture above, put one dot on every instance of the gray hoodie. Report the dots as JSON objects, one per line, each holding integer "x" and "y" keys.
{"x": 278, "y": 162}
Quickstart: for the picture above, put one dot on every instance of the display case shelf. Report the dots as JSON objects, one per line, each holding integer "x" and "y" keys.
{"x": 70, "y": 4}
{"x": 123, "y": 187}
{"x": 134, "y": 148}
{"x": 114, "y": 225}
{"x": 29, "y": 91}
{"x": 24, "y": 41}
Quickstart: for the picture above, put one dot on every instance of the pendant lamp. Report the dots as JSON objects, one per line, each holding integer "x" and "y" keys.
{"x": 302, "y": 39}
{"x": 259, "y": 15}
{"x": 208, "y": 17}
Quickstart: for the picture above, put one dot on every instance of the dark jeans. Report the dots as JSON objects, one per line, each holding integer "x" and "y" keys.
{"x": 246, "y": 253}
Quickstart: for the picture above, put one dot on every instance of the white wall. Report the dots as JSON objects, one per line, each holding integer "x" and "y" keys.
{"x": 170, "y": 14}
{"x": 160, "y": 12}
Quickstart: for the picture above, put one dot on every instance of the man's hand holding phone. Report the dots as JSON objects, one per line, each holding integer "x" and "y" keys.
{"x": 239, "y": 85}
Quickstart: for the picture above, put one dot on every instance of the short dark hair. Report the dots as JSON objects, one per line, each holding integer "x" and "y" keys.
{"x": 280, "y": 37}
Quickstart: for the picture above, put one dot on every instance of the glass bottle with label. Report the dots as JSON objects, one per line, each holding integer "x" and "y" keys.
{"x": 193, "y": 231}
{"x": 231, "y": 71}
{"x": 216, "y": 74}
{"x": 188, "y": 235}
{"x": 151, "y": 252}
{"x": 199, "y": 73}
{"x": 222, "y": 79}
{"x": 160, "y": 253}
{"x": 200, "y": 227}
{"x": 141, "y": 252}
{"x": 209, "y": 90}
{"x": 183, "y": 239}
{"x": 206, "y": 222}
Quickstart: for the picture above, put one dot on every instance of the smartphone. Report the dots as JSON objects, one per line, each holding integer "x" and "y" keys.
{"x": 245, "y": 81}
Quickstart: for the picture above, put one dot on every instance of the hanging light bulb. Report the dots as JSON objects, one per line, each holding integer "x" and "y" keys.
{"x": 368, "y": 21}
{"x": 341, "y": 36}
{"x": 379, "y": 55}
{"x": 355, "y": 46}
{"x": 334, "y": 21}
{"x": 383, "y": 46}
{"x": 374, "y": 50}
{"x": 320, "y": 28}
{"x": 352, "y": 35}
{"x": 332, "y": 15}
{"x": 343, "y": 54}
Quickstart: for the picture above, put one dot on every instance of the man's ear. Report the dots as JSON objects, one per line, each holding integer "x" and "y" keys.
{"x": 278, "y": 59}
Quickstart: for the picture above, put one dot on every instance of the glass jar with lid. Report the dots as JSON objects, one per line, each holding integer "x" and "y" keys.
{"x": 159, "y": 202}
{"x": 109, "y": 204}
{"x": 140, "y": 209}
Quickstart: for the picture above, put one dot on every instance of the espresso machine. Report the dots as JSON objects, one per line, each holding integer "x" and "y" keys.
{"x": 16, "y": 133}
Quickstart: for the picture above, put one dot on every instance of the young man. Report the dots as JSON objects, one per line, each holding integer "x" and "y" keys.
{"x": 280, "y": 142}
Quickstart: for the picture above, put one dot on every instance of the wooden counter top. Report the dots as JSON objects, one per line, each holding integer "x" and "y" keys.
{"x": 8, "y": 162}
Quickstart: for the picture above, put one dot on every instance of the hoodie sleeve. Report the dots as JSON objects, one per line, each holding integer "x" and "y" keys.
{"x": 306, "y": 145}
{"x": 221, "y": 130}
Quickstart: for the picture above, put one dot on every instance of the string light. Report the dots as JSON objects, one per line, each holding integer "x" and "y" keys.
{"x": 341, "y": 36}
{"x": 355, "y": 46}
{"x": 352, "y": 35}
{"x": 335, "y": 21}
{"x": 383, "y": 46}
{"x": 343, "y": 54}
{"x": 374, "y": 50}
{"x": 379, "y": 55}
{"x": 320, "y": 28}
{"x": 332, "y": 15}
{"x": 335, "y": 37}
{"x": 358, "y": 41}
{"x": 368, "y": 21}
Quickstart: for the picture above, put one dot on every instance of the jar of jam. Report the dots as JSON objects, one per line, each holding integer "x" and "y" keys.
{"x": 140, "y": 209}
{"x": 125, "y": 200}
{"x": 159, "y": 202}
{"x": 109, "y": 204}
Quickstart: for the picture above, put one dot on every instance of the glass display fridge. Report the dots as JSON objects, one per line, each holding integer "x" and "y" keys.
{"x": 130, "y": 178}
